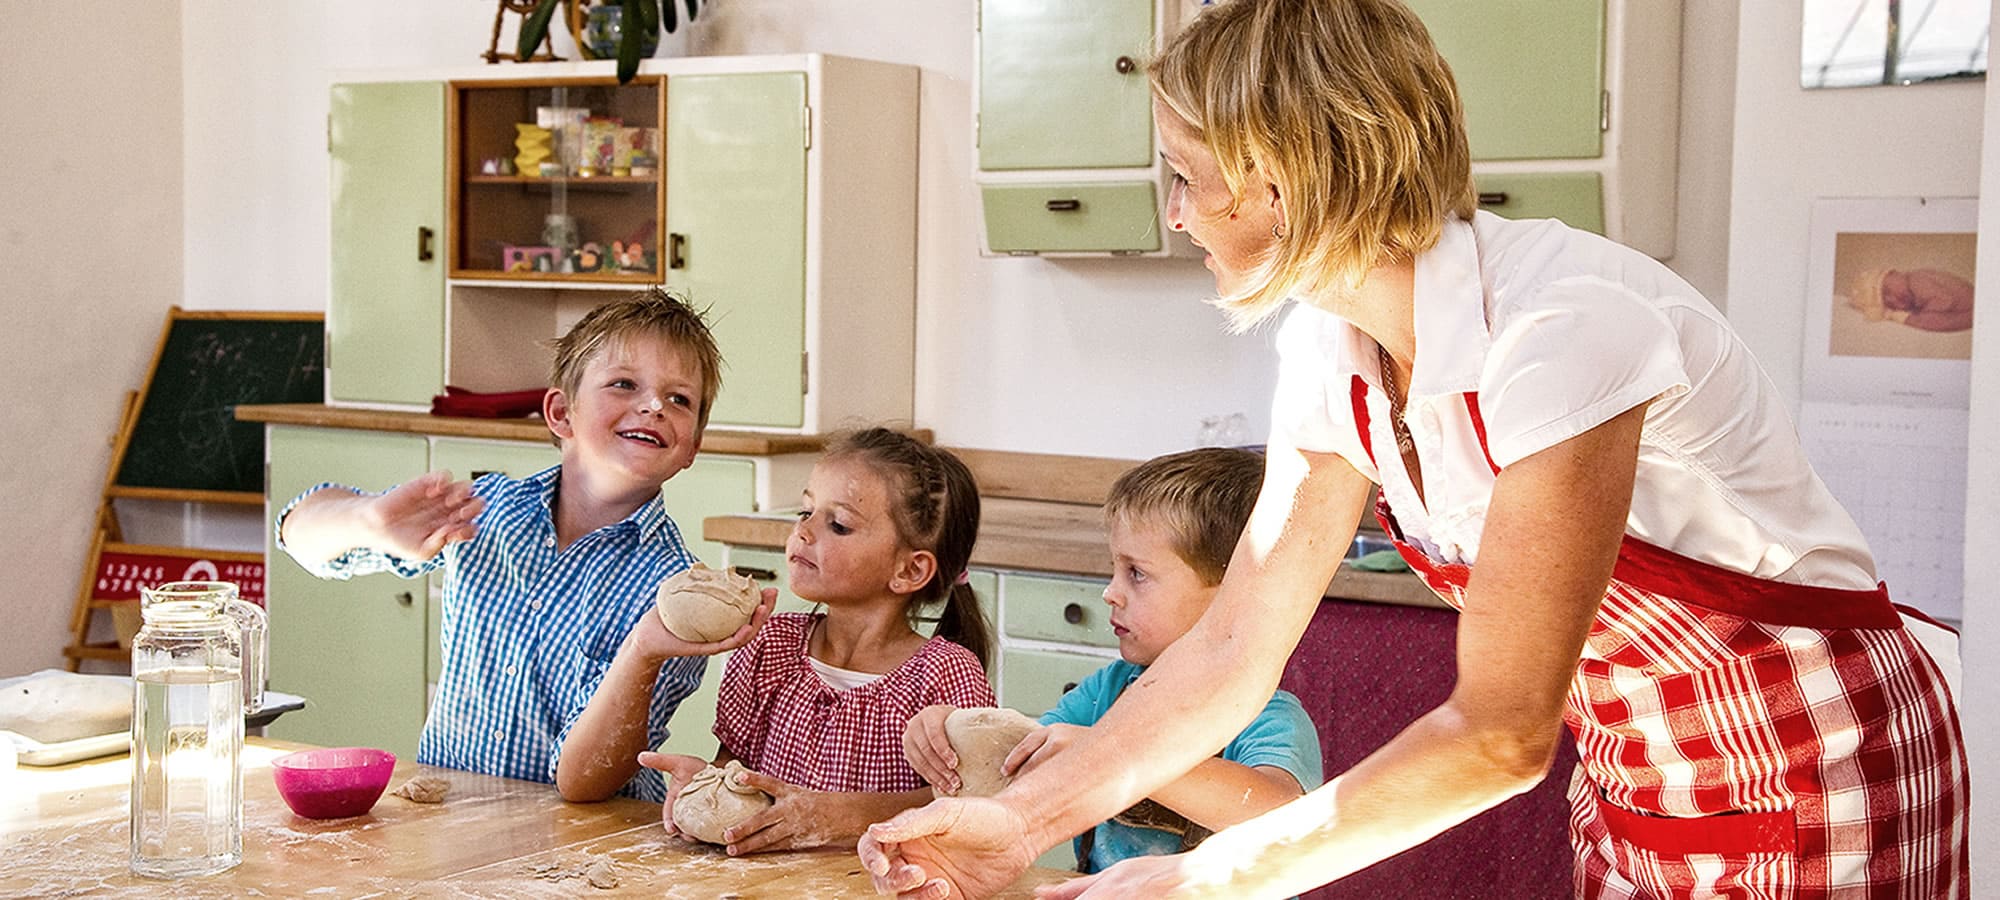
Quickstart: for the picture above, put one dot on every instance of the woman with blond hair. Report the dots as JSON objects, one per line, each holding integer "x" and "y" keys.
{"x": 1573, "y": 449}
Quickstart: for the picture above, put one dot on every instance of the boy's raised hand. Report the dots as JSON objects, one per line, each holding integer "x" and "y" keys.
{"x": 929, "y": 750}
{"x": 651, "y": 637}
{"x": 416, "y": 519}
{"x": 679, "y": 769}
{"x": 1039, "y": 745}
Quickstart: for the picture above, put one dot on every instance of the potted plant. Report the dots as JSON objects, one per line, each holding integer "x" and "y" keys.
{"x": 639, "y": 25}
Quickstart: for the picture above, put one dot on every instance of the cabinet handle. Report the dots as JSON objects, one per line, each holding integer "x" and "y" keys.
{"x": 1070, "y": 205}
{"x": 1492, "y": 198}
{"x": 676, "y": 250}
{"x": 756, "y": 573}
{"x": 1069, "y": 686}
{"x": 406, "y": 598}
{"x": 1125, "y": 65}
{"x": 424, "y": 236}
{"x": 482, "y": 473}
{"x": 1073, "y": 614}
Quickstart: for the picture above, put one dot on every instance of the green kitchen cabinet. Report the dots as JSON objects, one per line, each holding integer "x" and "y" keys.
{"x": 468, "y": 459}
{"x": 385, "y": 309}
{"x": 736, "y": 161}
{"x": 356, "y": 649}
{"x": 1530, "y": 73}
{"x": 1062, "y": 86}
{"x": 712, "y": 486}
{"x": 1577, "y": 198}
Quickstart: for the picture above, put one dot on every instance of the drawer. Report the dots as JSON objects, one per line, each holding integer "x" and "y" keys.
{"x": 1088, "y": 217}
{"x": 1033, "y": 680}
{"x": 1064, "y": 610}
{"x": 1577, "y": 198}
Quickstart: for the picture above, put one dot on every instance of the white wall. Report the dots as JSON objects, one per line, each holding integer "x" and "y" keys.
{"x": 90, "y": 259}
{"x": 1982, "y": 521}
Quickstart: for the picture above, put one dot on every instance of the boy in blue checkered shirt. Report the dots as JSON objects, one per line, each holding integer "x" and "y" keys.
{"x": 554, "y": 670}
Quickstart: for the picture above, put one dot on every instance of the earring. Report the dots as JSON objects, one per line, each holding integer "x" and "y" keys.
{"x": 1277, "y": 231}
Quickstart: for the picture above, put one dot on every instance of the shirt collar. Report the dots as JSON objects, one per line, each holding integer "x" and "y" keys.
{"x": 649, "y": 520}
{"x": 1451, "y": 342}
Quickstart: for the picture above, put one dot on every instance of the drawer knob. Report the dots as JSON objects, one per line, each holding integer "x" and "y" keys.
{"x": 755, "y": 573}
{"x": 405, "y": 598}
{"x": 1073, "y": 614}
{"x": 1125, "y": 65}
{"x": 1492, "y": 198}
{"x": 1069, "y": 686}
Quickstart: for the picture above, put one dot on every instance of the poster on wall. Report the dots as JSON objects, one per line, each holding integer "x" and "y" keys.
{"x": 1888, "y": 377}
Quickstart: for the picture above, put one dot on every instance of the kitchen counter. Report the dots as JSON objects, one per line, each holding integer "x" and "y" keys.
{"x": 715, "y": 440}
{"x": 1062, "y": 538}
{"x": 65, "y": 833}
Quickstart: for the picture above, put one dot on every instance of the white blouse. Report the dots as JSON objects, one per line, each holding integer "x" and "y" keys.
{"x": 1558, "y": 331}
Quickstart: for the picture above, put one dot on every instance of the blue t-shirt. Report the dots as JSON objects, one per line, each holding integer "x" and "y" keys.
{"x": 528, "y": 632}
{"x": 1281, "y": 736}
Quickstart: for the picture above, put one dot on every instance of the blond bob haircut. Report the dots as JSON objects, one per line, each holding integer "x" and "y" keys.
{"x": 652, "y": 313}
{"x": 1201, "y": 498}
{"x": 1347, "y": 108}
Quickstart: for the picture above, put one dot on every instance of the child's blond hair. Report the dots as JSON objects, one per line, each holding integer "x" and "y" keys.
{"x": 654, "y": 312}
{"x": 1347, "y": 108}
{"x": 1201, "y": 497}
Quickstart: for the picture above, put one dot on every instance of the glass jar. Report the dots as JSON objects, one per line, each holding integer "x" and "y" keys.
{"x": 187, "y": 731}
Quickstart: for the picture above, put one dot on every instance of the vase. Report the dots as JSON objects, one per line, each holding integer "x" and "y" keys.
{"x": 533, "y": 143}
{"x": 604, "y": 25}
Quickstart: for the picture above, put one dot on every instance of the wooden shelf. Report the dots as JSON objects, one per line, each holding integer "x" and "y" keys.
{"x": 599, "y": 277}
{"x": 574, "y": 182}
{"x": 740, "y": 443}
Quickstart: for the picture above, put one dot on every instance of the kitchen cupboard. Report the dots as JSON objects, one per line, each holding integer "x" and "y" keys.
{"x": 784, "y": 206}
{"x": 364, "y": 652}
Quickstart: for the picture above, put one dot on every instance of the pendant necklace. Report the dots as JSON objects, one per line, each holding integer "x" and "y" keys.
{"x": 1405, "y": 444}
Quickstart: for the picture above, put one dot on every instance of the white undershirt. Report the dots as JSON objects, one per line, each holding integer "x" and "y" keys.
{"x": 838, "y": 678}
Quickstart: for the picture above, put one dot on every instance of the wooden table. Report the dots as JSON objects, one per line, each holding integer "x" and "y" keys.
{"x": 64, "y": 832}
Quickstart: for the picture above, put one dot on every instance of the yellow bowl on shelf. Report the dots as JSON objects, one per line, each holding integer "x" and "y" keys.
{"x": 533, "y": 143}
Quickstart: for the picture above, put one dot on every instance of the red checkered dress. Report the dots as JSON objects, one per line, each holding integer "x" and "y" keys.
{"x": 1746, "y": 738}
{"x": 777, "y": 716}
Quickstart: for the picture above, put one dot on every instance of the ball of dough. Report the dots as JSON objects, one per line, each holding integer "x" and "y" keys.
{"x": 982, "y": 737}
{"x": 703, "y": 604}
{"x": 715, "y": 800}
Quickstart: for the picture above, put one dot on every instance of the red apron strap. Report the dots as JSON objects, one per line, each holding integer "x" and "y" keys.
{"x": 1479, "y": 428}
{"x": 1359, "y": 392}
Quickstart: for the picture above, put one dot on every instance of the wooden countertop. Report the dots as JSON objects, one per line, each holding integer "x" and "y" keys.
{"x": 1062, "y": 538}
{"x": 741, "y": 443}
{"x": 65, "y": 833}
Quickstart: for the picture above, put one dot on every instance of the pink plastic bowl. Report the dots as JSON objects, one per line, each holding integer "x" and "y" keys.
{"x": 334, "y": 783}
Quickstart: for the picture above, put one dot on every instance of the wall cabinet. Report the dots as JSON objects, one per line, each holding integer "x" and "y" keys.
{"x": 365, "y": 652}
{"x": 785, "y": 206}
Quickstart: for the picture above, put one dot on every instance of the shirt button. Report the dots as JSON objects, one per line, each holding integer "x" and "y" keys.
{"x": 535, "y": 603}
{"x": 499, "y": 734}
{"x": 509, "y": 670}
{"x": 548, "y": 542}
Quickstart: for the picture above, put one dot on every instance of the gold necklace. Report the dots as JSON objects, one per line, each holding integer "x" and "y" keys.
{"x": 1405, "y": 444}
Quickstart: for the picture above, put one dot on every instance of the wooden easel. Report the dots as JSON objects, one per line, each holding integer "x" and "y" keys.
{"x": 113, "y": 570}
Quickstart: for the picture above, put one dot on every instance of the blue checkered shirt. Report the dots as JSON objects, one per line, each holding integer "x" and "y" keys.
{"x": 528, "y": 632}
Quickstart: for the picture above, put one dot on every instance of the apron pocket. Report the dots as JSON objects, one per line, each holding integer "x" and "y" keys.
{"x": 1727, "y": 834}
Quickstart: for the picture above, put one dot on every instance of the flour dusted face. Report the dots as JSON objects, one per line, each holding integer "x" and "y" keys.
{"x": 714, "y": 801}
{"x": 982, "y": 737}
{"x": 702, "y": 604}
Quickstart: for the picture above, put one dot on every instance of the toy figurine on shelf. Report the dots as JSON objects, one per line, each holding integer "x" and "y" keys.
{"x": 589, "y": 257}
{"x": 631, "y": 256}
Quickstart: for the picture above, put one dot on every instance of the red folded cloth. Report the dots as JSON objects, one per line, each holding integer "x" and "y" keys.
{"x": 457, "y": 401}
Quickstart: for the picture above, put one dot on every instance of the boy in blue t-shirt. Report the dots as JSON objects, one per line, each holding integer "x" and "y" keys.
{"x": 1173, "y": 522}
{"x": 555, "y": 669}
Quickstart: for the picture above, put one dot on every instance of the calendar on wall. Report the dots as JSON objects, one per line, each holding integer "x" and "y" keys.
{"x": 1887, "y": 382}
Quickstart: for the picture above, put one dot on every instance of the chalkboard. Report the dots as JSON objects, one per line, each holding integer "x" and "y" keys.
{"x": 186, "y": 436}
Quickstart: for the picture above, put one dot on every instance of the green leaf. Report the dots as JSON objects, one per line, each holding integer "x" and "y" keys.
{"x": 667, "y": 15}
{"x": 649, "y": 16}
{"x": 631, "y": 39}
{"x": 690, "y": 5}
{"x": 535, "y": 28}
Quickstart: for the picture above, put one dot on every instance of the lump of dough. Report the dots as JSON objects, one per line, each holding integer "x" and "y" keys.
{"x": 715, "y": 800}
{"x": 424, "y": 789}
{"x": 982, "y": 737}
{"x": 703, "y": 604}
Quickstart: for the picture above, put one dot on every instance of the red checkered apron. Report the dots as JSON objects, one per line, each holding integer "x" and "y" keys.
{"x": 1745, "y": 738}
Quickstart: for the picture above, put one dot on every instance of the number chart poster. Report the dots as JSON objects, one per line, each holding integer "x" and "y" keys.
{"x": 1888, "y": 379}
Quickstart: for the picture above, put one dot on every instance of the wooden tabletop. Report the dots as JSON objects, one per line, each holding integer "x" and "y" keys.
{"x": 714, "y": 440}
{"x": 1062, "y": 538}
{"x": 64, "y": 832}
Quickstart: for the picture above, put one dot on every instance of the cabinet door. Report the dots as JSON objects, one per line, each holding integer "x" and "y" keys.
{"x": 1067, "y": 610}
{"x": 1061, "y": 85}
{"x": 1530, "y": 73}
{"x": 354, "y": 649}
{"x": 385, "y": 309}
{"x": 736, "y": 222}
{"x": 713, "y": 486}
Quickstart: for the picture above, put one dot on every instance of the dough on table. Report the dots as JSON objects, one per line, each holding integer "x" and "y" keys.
{"x": 715, "y": 800}
{"x": 982, "y": 737}
{"x": 424, "y": 789}
{"x": 701, "y": 604}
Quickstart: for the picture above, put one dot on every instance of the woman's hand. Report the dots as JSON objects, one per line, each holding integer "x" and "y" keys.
{"x": 679, "y": 769}
{"x": 929, "y": 751}
{"x": 954, "y": 847}
{"x": 798, "y": 819}
{"x": 1036, "y": 747}
{"x": 651, "y": 639}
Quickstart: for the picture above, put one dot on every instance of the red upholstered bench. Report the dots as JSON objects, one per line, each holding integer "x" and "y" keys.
{"x": 1364, "y": 672}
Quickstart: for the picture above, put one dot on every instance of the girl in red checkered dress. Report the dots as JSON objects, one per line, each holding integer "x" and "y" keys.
{"x": 815, "y": 705}
{"x": 1574, "y": 449}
